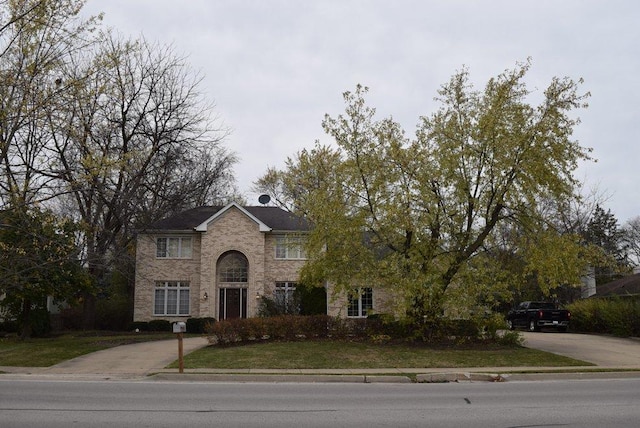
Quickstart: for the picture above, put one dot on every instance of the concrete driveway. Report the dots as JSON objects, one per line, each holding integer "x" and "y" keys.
{"x": 603, "y": 351}
{"x": 126, "y": 361}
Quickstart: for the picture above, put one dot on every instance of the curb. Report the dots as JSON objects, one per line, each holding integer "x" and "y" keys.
{"x": 460, "y": 377}
{"x": 436, "y": 377}
{"x": 268, "y": 378}
{"x": 442, "y": 377}
{"x": 572, "y": 375}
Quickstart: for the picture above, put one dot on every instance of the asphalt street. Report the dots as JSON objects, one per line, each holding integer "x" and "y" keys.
{"x": 559, "y": 403}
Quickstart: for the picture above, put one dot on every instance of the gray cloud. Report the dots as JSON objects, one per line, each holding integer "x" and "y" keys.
{"x": 274, "y": 68}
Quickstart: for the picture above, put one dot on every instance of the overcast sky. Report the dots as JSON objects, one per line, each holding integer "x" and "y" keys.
{"x": 274, "y": 68}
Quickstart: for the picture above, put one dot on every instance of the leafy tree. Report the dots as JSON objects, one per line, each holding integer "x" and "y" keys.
{"x": 303, "y": 301}
{"x": 420, "y": 216}
{"x": 538, "y": 257}
{"x": 39, "y": 258}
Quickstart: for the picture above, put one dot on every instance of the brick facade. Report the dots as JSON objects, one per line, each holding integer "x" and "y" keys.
{"x": 215, "y": 233}
{"x": 231, "y": 231}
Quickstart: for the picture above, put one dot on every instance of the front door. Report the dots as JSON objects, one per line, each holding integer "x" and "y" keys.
{"x": 233, "y": 303}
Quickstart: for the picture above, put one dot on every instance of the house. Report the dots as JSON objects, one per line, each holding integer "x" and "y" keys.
{"x": 628, "y": 286}
{"x": 219, "y": 261}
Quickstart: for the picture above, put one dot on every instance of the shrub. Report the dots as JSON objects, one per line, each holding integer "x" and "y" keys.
{"x": 113, "y": 314}
{"x": 510, "y": 338}
{"x": 388, "y": 325}
{"x": 378, "y": 328}
{"x": 139, "y": 326}
{"x": 313, "y": 300}
{"x": 491, "y": 327}
{"x": 617, "y": 316}
{"x": 71, "y": 318}
{"x": 198, "y": 325}
{"x": 461, "y": 328}
{"x": 40, "y": 322}
{"x": 9, "y": 326}
{"x": 160, "y": 325}
{"x": 282, "y": 327}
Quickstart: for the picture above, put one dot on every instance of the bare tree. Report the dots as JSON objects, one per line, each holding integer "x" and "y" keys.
{"x": 115, "y": 131}
{"x": 135, "y": 141}
{"x": 631, "y": 238}
{"x": 36, "y": 38}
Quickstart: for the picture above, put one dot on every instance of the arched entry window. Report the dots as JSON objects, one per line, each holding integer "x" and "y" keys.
{"x": 233, "y": 276}
{"x": 233, "y": 267}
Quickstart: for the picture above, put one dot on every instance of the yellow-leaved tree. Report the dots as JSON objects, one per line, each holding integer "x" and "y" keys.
{"x": 421, "y": 216}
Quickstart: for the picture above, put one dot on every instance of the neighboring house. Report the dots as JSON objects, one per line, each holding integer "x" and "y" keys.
{"x": 219, "y": 261}
{"x": 628, "y": 286}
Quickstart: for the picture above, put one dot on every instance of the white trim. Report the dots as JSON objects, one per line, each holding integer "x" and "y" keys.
{"x": 204, "y": 225}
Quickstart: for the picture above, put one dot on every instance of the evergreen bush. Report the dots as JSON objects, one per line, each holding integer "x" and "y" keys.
{"x": 160, "y": 325}
{"x": 198, "y": 325}
{"x": 138, "y": 326}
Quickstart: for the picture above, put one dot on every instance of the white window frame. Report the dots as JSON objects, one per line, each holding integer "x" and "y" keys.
{"x": 283, "y": 292}
{"x": 232, "y": 268}
{"x": 360, "y": 302}
{"x": 174, "y": 247}
{"x": 172, "y": 298}
{"x": 290, "y": 247}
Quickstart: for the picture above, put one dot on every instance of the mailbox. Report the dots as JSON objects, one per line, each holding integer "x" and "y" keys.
{"x": 179, "y": 327}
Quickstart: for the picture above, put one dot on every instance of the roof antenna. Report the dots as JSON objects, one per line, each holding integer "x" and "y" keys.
{"x": 264, "y": 199}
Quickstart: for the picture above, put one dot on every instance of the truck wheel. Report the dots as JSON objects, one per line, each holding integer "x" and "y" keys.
{"x": 562, "y": 329}
{"x": 533, "y": 326}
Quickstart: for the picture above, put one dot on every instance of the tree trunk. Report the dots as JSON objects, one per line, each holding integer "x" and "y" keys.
{"x": 26, "y": 319}
{"x": 88, "y": 311}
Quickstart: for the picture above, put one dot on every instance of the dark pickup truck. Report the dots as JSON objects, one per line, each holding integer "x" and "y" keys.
{"x": 535, "y": 315}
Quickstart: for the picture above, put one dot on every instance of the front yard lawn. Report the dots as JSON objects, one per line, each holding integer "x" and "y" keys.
{"x": 359, "y": 355}
{"x": 322, "y": 354}
{"x": 45, "y": 352}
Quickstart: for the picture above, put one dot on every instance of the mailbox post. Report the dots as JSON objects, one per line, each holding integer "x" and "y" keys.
{"x": 180, "y": 328}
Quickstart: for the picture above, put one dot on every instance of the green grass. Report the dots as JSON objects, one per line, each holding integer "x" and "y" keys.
{"x": 284, "y": 355}
{"x": 354, "y": 355}
{"x": 50, "y": 351}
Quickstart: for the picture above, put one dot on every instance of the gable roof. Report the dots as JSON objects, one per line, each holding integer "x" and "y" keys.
{"x": 267, "y": 218}
{"x": 202, "y": 227}
{"x": 627, "y": 286}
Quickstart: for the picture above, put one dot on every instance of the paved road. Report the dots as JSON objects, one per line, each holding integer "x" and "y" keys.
{"x": 603, "y": 351}
{"x": 561, "y": 403}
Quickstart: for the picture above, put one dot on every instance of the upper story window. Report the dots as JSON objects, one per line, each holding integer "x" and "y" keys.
{"x": 179, "y": 247}
{"x": 290, "y": 247}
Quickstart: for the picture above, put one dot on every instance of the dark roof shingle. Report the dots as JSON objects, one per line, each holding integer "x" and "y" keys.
{"x": 274, "y": 217}
{"x": 627, "y": 286}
